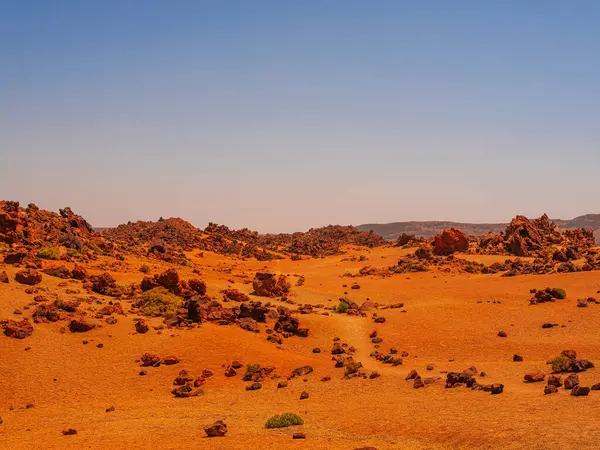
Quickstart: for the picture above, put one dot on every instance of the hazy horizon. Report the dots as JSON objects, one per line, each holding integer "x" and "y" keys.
{"x": 280, "y": 116}
{"x": 274, "y": 231}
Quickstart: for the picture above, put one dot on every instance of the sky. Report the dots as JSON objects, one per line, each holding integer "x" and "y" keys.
{"x": 285, "y": 115}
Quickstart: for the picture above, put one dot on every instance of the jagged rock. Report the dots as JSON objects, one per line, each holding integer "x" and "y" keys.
{"x": 217, "y": 429}
{"x": 449, "y": 242}
{"x": 18, "y": 329}
{"x": 29, "y": 277}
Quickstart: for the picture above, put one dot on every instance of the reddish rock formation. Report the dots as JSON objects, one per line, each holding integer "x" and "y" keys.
{"x": 29, "y": 277}
{"x": 18, "y": 329}
{"x": 269, "y": 285}
{"x": 450, "y": 241}
{"x": 81, "y": 326}
{"x": 141, "y": 326}
{"x": 234, "y": 295}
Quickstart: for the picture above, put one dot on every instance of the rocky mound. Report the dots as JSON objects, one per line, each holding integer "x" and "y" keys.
{"x": 524, "y": 237}
{"x": 31, "y": 232}
{"x": 327, "y": 241}
{"x": 174, "y": 232}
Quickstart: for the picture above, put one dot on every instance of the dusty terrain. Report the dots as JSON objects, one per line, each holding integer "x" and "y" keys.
{"x": 56, "y": 379}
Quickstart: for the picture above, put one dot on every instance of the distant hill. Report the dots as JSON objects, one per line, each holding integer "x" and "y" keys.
{"x": 391, "y": 231}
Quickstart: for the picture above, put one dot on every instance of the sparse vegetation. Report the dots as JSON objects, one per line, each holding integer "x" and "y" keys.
{"x": 284, "y": 420}
{"x": 144, "y": 268}
{"x": 558, "y": 293}
{"x": 73, "y": 253}
{"x": 158, "y": 302}
{"x": 342, "y": 308}
{"x": 4, "y": 247}
{"x": 251, "y": 370}
{"x": 49, "y": 253}
{"x": 560, "y": 364}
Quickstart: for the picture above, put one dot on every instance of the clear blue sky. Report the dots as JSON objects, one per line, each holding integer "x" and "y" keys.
{"x": 281, "y": 115}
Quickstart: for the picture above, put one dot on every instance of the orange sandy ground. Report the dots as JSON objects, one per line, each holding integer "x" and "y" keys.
{"x": 72, "y": 384}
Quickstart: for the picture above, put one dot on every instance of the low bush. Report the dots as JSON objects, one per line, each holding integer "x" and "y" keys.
{"x": 251, "y": 370}
{"x": 73, "y": 253}
{"x": 558, "y": 293}
{"x": 158, "y": 302}
{"x": 560, "y": 364}
{"x": 342, "y": 308}
{"x": 49, "y": 253}
{"x": 284, "y": 420}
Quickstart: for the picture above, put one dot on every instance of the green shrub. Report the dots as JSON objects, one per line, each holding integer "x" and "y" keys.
{"x": 144, "y": 268}
{"x": 558, "y": 293}
{"x": 284, "y": 420}
{"x": 560, "y": 364}
{"x": 95, "y": 249}
{"x": 4, "y": 247}
{"x": 73, "y": 253}
{"x": 342, "y": 308}
{"x": 49, "y": 253}
{"x": 251, "y": 370}
{"x": 158, "y": 302}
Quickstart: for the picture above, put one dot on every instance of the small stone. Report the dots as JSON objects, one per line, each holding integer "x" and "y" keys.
{"x": 497, "y": 388}
{"x": 571, "y": 381}
{"x": 217, "y": 429}
{"x": 170, "y": 360}
{"x": 535, "y": 377}
{"x": 580, "y": 391}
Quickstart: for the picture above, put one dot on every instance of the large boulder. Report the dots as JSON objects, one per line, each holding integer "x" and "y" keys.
{"x": 79, "y": 272}
{"x": 449, "y": 242}
{"x": 58, "y": 272}
{"x": 29, "y": 277}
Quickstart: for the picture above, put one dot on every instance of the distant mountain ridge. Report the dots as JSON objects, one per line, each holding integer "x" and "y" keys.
{"x": 391, "y": 231}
